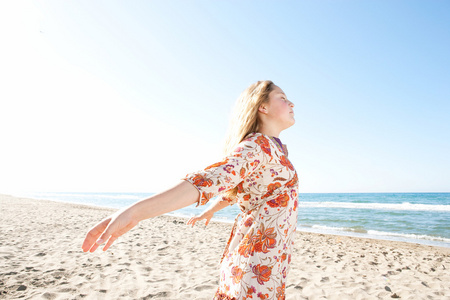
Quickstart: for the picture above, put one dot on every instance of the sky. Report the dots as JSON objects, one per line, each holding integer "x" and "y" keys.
{"x": 116, "y": 96}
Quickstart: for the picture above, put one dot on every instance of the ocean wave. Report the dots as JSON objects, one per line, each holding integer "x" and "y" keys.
{"x": 382, "y": 206}
{"x": 409, "y": 236}
{"x": 374, "y": 233}
{"x": 356, "y": 229}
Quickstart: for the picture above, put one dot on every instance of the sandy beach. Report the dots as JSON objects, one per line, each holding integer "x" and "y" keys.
{"x": 162, "y": 258}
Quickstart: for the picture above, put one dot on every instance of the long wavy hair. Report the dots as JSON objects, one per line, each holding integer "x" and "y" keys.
{"x": 245, "y": 119}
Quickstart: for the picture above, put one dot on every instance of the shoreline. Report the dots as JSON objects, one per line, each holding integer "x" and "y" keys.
{"x": 163, "y": 258}
{"x": 300, "y": 229}
{"x": 385, "y": 236}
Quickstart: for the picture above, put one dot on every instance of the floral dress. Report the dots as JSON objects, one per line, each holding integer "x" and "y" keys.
{"x": 256, "y": 259}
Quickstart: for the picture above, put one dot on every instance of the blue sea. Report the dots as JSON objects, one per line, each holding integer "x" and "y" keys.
{"x": 412, "y": 217}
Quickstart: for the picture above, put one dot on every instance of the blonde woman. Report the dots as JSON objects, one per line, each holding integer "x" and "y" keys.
{"x": 257, "y": 175}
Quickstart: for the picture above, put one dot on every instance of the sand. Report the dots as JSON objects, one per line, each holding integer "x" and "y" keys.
{"x": 162, "y": 258}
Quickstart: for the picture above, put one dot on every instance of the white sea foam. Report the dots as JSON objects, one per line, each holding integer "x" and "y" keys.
{"x": 349, "y": 229}
{"x": 383, "y": 206}
{"x": 409, "y": 236}
{"x": 412, "y": 238}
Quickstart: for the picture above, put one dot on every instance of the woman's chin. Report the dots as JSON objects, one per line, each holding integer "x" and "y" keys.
{"x": 291, "y": 123}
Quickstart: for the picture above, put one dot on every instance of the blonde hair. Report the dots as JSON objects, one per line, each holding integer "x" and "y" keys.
{"x": 245, "y": 116}
{"x": 245, "y": 119}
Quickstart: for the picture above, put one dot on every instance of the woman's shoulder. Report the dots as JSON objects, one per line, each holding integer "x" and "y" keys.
{"x": 257, "y": 140}
{"x": 253, "y": 136}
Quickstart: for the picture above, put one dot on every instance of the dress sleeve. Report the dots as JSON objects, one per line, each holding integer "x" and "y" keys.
{"x": 227, "y": 174}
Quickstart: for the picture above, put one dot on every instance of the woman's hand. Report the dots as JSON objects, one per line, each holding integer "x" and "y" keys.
{"x": 108, "y": 230}
{"x": 207, "y": 215}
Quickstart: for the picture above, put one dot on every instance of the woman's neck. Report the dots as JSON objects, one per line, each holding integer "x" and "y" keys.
{"x": 269, "y": 131}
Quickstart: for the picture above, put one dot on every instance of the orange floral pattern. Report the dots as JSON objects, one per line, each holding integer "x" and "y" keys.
{"x": 263, "y": 142}
{"x": 256, "y": 259}
{"x": 264, "y": 240}
{"x": 271, "y": 188}
{"x": 237, "y": 274}
{"x": 262, "y": 273}
{"x": 225, "y": 161}
{"x": 199, "y": 180}
{"x": 280, "y": 292}
{"x": 246, "y": 246}
{"x": 281, "y": 200}
{"x": 293, "y": 182}
{"x": 285, "y": 162}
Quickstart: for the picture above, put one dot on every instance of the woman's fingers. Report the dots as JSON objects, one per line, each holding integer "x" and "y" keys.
{"x": 103, "y": 232}
{"x": 208, "y": 218}
{"x": 109, "y": 243}
{"x": 107, "y": 235}
{"x": 93, "y": 235}
{"x": 108, "y": 231}
{"x": 94, "y": 247}
{"x": 193, "y": 220}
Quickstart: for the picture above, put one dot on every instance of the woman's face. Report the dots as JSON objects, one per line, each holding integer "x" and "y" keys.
{"x": 279, "y": 109}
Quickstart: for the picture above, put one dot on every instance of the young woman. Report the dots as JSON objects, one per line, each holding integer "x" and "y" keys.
{"x": 257, "y": 175}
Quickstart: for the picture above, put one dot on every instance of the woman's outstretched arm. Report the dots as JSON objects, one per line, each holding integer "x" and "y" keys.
{"x": 209, "y": 213}
{"x": 109, "y": 229}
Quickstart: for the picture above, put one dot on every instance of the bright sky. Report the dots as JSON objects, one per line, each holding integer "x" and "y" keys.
{"x": 130, "y": 96}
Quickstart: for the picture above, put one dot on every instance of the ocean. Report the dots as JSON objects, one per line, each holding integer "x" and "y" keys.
{"x": 411, "y": 217}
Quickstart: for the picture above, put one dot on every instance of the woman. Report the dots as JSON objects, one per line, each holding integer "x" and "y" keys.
{"x": 257, "y": 175}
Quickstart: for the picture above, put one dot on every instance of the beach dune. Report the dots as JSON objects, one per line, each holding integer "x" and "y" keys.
{"x": 162, "y": 258}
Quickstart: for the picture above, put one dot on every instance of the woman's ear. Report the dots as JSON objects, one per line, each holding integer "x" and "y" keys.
{"x": 263, "y": 108}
